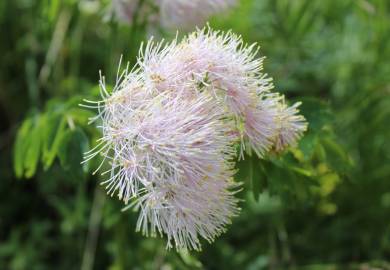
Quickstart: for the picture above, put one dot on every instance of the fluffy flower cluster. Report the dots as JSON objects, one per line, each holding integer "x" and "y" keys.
{"x": 172, "y": 14}
{"x": 170, "y": 129}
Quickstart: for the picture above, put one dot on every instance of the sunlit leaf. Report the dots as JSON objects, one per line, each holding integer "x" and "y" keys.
{"x": 54, "y": 133}
{"x": 34, "y": 149}
{"x": 21, "y": 145}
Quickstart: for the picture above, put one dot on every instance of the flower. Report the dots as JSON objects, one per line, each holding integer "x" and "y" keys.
{"x": 291, "y": 126}
{"x": 187, "y": 210}
{"x": 170, "y": 127}
{"x": 223, "y": 65}
{"x": 192, "y": 147}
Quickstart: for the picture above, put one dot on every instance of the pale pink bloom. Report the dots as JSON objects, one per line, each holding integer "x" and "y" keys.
{"x": 261, "y": 126}
{"x": 188, "y": 210}
{"x": 223, "y": 65}
{"x": 173, "y": 156}
{"x": 170, "y": 127}
{"x": 220, "y": 60}
{"x": 189, "y": 147}
{"x": 143, "y": 132}
{"x": 291, "y": 126}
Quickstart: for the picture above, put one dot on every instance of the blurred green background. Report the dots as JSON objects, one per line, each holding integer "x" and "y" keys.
{"x": 324, "y": 205}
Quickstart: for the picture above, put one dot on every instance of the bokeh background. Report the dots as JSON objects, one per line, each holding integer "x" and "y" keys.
{"x": 324, "y": 205}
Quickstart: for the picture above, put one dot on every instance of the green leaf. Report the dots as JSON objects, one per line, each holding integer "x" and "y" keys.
{"x": 20, "y": 146}
{"x": 54, "y": 131}
{"x": 34, "y": 149}
{"x": 307, "y": 145}
{"x": 336, "y": 156}
{"x": 49, "y": 131}
{"x": 251, "y": 172}
{"x": 289, "y": 162}
{"x": 27, "y": 147}
{"x": 189, "y": 260}
{"x": 316, "y": 112}
{"x": 80, "y": 115}
{"x": 258, "y": 177}
{"x": 287, "y": 179}
{"x": 72, "y": 146}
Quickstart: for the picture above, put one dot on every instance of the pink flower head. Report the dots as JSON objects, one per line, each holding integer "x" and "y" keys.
{"x": 170, "y": 127}
{"x": 223, "y": 65}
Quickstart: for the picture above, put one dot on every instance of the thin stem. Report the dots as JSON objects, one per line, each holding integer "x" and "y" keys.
{"x": 93, "y": 230}
{"x": 56, "y": 44}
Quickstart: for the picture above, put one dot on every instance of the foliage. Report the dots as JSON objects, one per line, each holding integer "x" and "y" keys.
{"x": 323, "y": 205}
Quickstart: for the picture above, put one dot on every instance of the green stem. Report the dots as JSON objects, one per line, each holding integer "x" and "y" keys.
{"x": 93, "y": 230}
